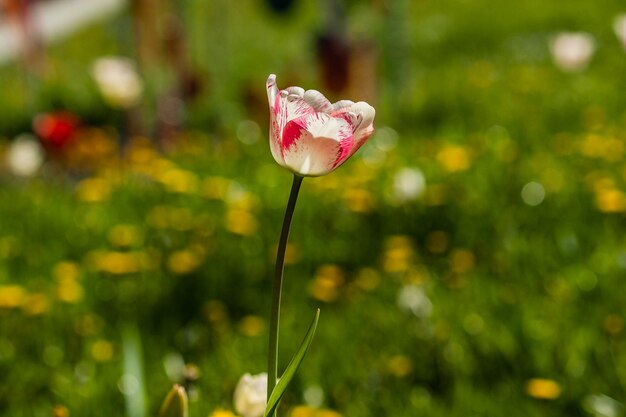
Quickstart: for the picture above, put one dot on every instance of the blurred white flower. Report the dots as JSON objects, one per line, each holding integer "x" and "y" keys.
{"x": 408, "y": 184}
{"x": 250, "y": 396}
{"x": 25, "y": 156}
{"x": 601, "y": 405}
{"x": 413, "y": 299}
{"x": 571, "y": 51}
{"x": 118, "y": 80}
{"x": 619, "y": 26}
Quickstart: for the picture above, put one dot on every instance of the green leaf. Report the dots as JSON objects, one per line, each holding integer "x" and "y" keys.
{"x": 175, "y": 404}
{"x": 294, "y": 364}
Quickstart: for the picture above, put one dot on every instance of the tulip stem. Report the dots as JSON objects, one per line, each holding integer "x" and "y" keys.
{"x": 272, "y": 372}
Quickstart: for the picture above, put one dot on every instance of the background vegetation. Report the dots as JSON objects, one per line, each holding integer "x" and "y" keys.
{"x": 468, "y": 261}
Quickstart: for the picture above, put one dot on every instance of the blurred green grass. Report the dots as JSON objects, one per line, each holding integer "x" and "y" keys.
{"x": 467, "y": 301}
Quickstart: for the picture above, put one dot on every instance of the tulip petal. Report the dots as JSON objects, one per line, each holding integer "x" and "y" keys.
{"x": 361, "y": 116}
{"x": 316, "y": 144}
{"x": 272, "y": 90}
{"x": 318, "y": 101}
{"x": 341, "y": 104}
{"x": 298, "y": 91}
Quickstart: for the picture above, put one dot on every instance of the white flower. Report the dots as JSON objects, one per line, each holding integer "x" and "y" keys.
{"x": 25, "y": 156}
{"x": 118, "y": 81}
{"x": 619, "y": 26}
{"x": 250, "y": 396}
{"x": 571, "y": 51}
{"x": 413, "y": 299}
{"x": 408, "y": 184}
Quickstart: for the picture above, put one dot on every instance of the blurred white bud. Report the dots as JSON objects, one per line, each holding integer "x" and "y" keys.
{"x": 572, "y": 51}
{"x": 119, "y": 83}
{"x": 25, "y": 156}
{"x": 408, "y": 184}
{"x": 619, "y": 26}
{"x": 250, "y": 396}
{"x": 413, "y": 299}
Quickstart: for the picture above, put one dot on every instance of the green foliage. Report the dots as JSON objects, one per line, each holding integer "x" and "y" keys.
{"x": 495, "y": 291}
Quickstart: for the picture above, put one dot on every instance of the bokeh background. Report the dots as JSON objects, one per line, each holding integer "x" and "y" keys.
{"x": 468, "y": 261}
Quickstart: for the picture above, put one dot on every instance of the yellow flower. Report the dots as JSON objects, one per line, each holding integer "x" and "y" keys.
{"x": 359, "y": 200}
{"x": 93, "y": 190}
{"x": 252, "y": 326}
{"x": 400, "y": 366}
{"x": 454, "y": 158}
{"x": 179, "y": 181}
{"x": 398, "y": 255}
{"x": 326, "y": 283}
{"x": 69, "y": 290}
{"x": 545, "y": 389}
{"x": 102, "y": 350}
{"x": 462, "y": 261}
{"x": 11, "y": 296}
{"x": 610, "y": 200}
{"x": 241, "y": 222}
{"x": 222, "y": 413}
{"x": 184, "y": 261}
{"x": 125, "y": 235}
{"x": 35, "y": 304}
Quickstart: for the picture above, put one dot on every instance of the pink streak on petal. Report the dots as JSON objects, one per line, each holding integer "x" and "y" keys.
{"x": 291, "y": 133}
{"x": 346, "y": 145}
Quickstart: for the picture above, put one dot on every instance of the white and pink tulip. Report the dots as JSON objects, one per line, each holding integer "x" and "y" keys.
{"x": 311, "y": 136}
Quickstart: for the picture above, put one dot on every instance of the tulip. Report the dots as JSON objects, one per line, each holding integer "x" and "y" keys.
{"x": 311, "y": 136}
{"x": 250, "y": 395}
{"x": 572, "y": 51}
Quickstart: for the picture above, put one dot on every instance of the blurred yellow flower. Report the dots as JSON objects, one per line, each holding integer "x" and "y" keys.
{"x": 215, "y": 311}
{"x": 326, "y": 284}
{"x": 184, "y": 261}
{"x": 120, "y": 263}
{"x": 35, "y": 304}
{"x": 102, "y": 350}
{"x": 66, "y": 270}
{"x": 241, "y": 222}
{"x": 545, "y": 389}
{"x": 69, "y": 290}
{"x": 216, "y": 188}
{"x": 252, "y": 326}
{"x": 302, "y": 411}
{"x": 222, "y": 413}
{"x": 125, "y": 235}
{"x": 93, "y": 190}
{"x": 462, "y": 261}
{"x": 454, "y": 158}
{"x": 60, "y": 411}
{"x": 367, "y": 279}
{"x": 610, "y": 200}
{"x": 307, "y": 411}
{"x": 398, "y": 255}
{"x": 400, "y": 366}
{"x": 597, "y": 146}
{"x": 358, "y": 200}
{"x": 179, "y": 181}
{"x": 11, "y": 296}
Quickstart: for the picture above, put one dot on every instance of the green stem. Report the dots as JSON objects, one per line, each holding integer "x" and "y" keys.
{"x": 272, "y": 372}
